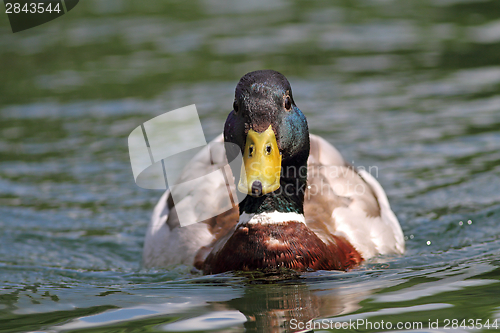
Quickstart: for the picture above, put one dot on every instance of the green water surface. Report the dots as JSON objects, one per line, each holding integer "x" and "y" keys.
{"x": 409, "y": 87}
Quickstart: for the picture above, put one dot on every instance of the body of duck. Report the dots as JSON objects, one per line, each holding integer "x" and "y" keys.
{"x": 305, "y": 208}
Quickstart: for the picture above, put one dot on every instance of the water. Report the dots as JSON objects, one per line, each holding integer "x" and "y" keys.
{"x": 410, "y": 88}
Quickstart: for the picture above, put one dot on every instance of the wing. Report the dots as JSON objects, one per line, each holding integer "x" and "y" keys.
{"x": 166, "y": 242}
{"x": 343, "y": 201}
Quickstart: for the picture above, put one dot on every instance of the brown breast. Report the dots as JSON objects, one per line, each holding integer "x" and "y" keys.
{"x": 290, "y": 244}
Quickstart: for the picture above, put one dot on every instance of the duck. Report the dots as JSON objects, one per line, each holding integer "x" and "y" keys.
{"x": 302, "y": 207}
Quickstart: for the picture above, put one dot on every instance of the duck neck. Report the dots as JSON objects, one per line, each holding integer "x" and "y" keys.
{"x": 287, "y": 202}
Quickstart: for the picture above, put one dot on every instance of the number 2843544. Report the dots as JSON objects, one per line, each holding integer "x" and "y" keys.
{"x": 32, "y": 8}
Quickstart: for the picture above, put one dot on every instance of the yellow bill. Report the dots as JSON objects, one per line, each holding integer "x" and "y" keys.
{"x": 261, "y": 169}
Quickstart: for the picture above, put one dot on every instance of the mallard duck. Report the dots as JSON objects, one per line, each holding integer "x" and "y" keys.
{"x": 305, "y": 208}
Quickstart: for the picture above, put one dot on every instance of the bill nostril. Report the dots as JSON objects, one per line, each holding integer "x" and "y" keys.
{"x": 257, "y": 188}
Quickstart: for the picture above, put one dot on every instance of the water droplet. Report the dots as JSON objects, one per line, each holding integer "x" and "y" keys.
{"x": 429, "y": 243}
{"x": 411, "y": 236}
{"x": 469, "y": 222}
{"x": 461, "y": 223}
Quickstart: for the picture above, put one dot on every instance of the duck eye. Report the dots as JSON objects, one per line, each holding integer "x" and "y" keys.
{"x": 268, "y": 149}
{"x": 250, "y": 151}
{"x": 288, "y": 103}
{"x": 235, "y": 106}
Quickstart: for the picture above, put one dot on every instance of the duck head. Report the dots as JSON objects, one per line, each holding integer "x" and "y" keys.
{"x": 273, "y": 137}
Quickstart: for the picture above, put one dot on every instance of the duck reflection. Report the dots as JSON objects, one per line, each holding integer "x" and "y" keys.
{"x": 286, "y": 306}
{"x": 270, "y": 308}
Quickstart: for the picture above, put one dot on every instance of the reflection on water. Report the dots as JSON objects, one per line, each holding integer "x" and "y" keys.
{"x": 265, "y": 306}
{"x": 411, "y": 87}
